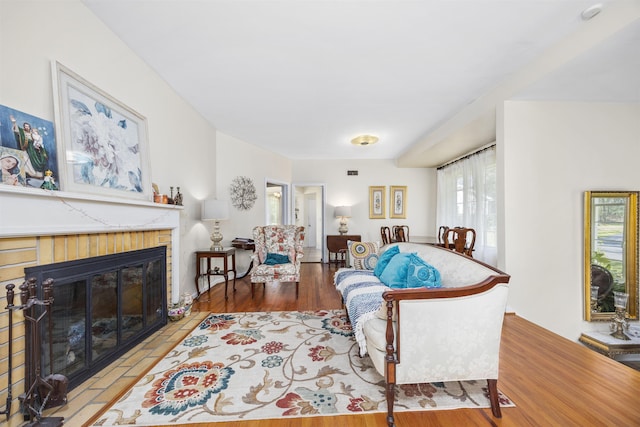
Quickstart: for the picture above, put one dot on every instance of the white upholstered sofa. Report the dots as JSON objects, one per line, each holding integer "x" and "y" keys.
{"x": 421, "y": 335}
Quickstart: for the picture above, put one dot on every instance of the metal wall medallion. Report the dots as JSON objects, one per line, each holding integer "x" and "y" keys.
{"x": 243, "y": 193}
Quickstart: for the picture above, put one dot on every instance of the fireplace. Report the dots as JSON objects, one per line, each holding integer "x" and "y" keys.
{"x": 102, "y": 307}
{"x": 38, "y": 228}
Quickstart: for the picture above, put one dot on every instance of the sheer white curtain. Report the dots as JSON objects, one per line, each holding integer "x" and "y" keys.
{"x": 467, "y": 198}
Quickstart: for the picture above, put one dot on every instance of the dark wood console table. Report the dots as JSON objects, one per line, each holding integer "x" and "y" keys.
{"x": 337, "y": 245}
{"x": 208, "y": 254}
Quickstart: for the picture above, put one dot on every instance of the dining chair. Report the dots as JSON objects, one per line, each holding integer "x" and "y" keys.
{"x": 442, "y": 230}
{"x": 400, "y": 233}
{"x": 385, "y": 235}
{"x": 461, "y": 240}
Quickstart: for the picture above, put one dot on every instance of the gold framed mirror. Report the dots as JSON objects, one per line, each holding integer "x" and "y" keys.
{"x": 610, "y": 252}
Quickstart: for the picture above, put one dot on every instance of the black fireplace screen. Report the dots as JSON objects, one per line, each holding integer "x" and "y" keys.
{"x": 102, "y": 307}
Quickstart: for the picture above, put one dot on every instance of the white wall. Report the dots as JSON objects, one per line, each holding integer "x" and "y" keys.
{"x": 182, "y": 143}
{"x": 354, "y": 191}
{"x": 551, "y": 154}
{"x": 238, "y": 158}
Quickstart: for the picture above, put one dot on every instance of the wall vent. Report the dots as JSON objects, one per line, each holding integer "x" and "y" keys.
{"x": 350, "y": 173}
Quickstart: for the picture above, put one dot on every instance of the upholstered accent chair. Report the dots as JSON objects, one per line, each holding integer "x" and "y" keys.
{"x": 277, "y": 255}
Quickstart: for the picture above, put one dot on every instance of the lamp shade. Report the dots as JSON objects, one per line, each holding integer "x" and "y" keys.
{"x": 343, "y": 211}
{"x": 215, "y": 209}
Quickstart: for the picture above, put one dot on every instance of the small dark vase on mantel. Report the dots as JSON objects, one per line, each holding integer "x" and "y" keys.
{"x": 177, "y": 200}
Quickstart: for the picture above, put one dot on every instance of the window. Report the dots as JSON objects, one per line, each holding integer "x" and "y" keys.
{"x": 467, "y": 197}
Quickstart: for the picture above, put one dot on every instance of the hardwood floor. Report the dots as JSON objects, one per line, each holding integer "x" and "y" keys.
{"x": 553, "y": 381}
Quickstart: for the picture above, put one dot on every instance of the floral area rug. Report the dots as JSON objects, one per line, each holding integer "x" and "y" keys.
{"x": 242, "y": 366}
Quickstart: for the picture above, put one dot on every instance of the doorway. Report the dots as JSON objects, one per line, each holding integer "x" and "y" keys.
{"x": 276, "y": 203}
{"x": 309, "y": 213}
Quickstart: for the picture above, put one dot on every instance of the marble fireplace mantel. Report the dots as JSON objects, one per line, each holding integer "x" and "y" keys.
{"x": 37, "y": 212}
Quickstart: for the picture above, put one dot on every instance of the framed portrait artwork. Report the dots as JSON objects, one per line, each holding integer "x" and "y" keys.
{"x": 30, "y": 143}
{"x": 398, "y": 202}
{"x": 12, "y": 167}
{"x": 377, "y": 202}
{"x": 102, "y": 143}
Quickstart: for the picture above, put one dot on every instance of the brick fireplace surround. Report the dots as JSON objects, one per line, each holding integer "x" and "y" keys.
{"x": 39, "y": 227}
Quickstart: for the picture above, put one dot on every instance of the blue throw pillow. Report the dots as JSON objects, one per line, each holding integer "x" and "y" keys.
{"x": 274, "y": 259}
{"x": 421, "y": 275}
{"x": 384, "y": 259}
{"x": 395, "y": 275}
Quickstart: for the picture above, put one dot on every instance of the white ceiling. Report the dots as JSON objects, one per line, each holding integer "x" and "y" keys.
{"x": 303, "y": 77}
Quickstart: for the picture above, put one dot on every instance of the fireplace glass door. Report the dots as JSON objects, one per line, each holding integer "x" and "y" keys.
{"x": 102, "y": 307}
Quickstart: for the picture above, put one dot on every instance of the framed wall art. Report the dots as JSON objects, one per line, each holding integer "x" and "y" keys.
{"x": 377, "y": 202}
{"x": 102, "y": 143}
{"x": 398, "y": 202}
{"x": 35, "y": 155}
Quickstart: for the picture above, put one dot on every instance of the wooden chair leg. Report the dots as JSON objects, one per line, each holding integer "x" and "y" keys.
{"x": 297, "y": 285}
{"x": 493, "y": 398}
{"x": 390, "y": 398}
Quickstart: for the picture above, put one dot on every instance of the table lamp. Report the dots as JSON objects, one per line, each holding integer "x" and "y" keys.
{"x": 216, "y": 210}
{"x": 343, "y": 212}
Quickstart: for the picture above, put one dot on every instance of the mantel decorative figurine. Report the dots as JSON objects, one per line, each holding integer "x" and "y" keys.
{"x": 178, "y": 199}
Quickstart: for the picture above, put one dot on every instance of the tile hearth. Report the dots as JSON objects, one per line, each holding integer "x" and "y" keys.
{"x": 93, "y": 395}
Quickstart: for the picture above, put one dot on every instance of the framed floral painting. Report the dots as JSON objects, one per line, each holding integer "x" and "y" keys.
{"x": 102, "y": 143}
{"x": 398, "y": 202}
{"x": 377, "y": 202}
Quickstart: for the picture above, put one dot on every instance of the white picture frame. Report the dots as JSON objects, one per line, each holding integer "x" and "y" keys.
{"x": 102, "y": 143}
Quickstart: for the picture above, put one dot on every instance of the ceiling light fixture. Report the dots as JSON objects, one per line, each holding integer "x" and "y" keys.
{"x": 364, "y": 140}
{"x": 591, "y": 11}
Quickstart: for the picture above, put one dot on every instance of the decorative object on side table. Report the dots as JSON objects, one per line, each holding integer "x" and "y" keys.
{"x": 343, "y": 212}
{"x": 243, "y": 193}
{"x": 619, "y": 322}
{"x": 215, "y": 210}
{"x": 225, "y": 254}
